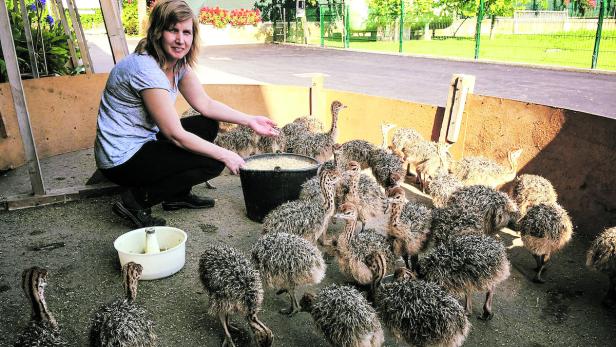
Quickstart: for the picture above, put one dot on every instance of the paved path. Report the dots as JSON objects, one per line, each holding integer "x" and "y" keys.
{"x": 423, "y": 80}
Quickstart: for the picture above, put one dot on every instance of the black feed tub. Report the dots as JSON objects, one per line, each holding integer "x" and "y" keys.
{"x": 265, "y": 190}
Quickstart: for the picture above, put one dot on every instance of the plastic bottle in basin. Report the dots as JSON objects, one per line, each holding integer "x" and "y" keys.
{"x": 151, "y": 241}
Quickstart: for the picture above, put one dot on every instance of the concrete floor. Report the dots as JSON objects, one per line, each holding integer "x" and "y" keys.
{"x": 84, "y": 273}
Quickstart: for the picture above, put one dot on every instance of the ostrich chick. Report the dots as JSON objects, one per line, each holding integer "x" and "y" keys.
{"x": 383, "y": 164}
{"x": 545, "y": 229}
{"x": 318, "y": 145}
{"x": 233, "y": 285}
{"x": 306, "y": 218}
{"x": 42, "y": 330}
{"x": 530, "y": 190}
{"x": 357, "y": 150}
{"x": 496, "y": 208}
{"x": 287, "y": 261}
{"x": 409, "y": 225}
{"x": 601, "y": 256}
{"x": 241, "y": 140}
{"x": 420, "y": 312}
{"x": 352, "y": 248}
{"x": 122, "y": 322}
{"x": 480, "y": 170}
{"x": 467, "y": 264}
{"x": 344, "y": 317}
{"x": 405, "y": 138}
{"x": 441, "y": 187}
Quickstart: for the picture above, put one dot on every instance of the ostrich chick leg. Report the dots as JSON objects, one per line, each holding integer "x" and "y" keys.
{"x": 294, "y": 304}
{"x": 469, "y": 303}
{"x": 544, "y": 259}
{"x": 228, "y": 342}
{"x": 487, "y": 306}
{"x": 610, "y": 298}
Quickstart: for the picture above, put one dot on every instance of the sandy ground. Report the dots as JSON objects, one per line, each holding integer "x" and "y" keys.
{"x": 84, "y": 274}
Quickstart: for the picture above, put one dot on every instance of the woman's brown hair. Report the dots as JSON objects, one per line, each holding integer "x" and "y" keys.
{"x": 164, "y": 15}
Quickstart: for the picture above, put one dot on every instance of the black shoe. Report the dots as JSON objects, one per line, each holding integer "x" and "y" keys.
{"x": 141, "y": 218}
{"x": 188, "y": 201}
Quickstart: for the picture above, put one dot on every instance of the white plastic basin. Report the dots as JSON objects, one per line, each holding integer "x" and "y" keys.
{"x": 171, "y": 259}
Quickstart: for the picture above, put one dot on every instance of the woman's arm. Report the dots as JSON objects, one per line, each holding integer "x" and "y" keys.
{"x": 159, "y": 106}
{"x": 193, "y": 92}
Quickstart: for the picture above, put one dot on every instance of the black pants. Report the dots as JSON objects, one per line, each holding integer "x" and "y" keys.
{"x": 161, "y": 170}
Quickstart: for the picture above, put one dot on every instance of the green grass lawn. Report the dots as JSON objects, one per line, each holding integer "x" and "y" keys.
{"x": 563, "y": 49}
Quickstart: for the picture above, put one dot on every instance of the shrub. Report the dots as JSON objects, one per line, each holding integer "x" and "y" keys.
{"x": 90, "y": 20}
{"x": 130, "y": 18}
{"x": 52, "y": 56}
{"x": 242, "y": 16}
{"x": 219, "y": 18}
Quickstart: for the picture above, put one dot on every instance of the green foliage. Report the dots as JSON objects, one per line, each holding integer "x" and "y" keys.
{"x": 383, "y": 12}
{"x": 433, "y": 21}
{"x": 90, "y": 20}
{"x": 130, "y": 18}
{"x": 50, "y": 43}
{"x": 469, "y": 8}
{"x": 464, "y": 8}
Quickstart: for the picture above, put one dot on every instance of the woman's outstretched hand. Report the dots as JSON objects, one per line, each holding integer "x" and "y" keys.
{"x": 233, "y": 161}
{"x": 263, "y": 126}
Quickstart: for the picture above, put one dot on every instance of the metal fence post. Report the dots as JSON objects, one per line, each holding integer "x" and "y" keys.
{"x": 401, "y": 26}
{"x": 595, "y": 52}
{"x": 347, "y": 27}
{"x": 478, "y": 29}
{"x": 321, "y": 25}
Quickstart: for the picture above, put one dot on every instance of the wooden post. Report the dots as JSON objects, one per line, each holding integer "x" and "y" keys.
{"x": 115, "y": 30}
{"x": 28, "y": 32}
{"x": 460, "y": 87}
{"x": 19, "y": 100}
{"x": 54, "y": 9}
{"x": 142, "y": 16}
{"x": 67, "y": 31}
{"x": 81, "y": 39}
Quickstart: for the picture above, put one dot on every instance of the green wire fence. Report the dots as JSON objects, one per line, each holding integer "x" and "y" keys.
{"x": 554, "y": 33}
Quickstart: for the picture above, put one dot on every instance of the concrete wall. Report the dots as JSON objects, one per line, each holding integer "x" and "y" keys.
{"x": 247, "y": 34}
{"x": 62, "y": 115}
{"x": 575, "y": 150}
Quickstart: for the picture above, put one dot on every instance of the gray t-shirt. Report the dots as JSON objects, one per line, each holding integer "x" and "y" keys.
{"x": 124, "y": 124}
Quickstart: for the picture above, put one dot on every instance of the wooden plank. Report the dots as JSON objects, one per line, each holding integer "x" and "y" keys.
{"x": 54, "y": 9}
{"x": 449, "y": 104}
{"x": 28, "y": 32}
{"x": 19, "y": 100}
{"x": 56, "y": 196}
{"x": 67, "y": 31}
{"x": 81, "y": 39}
{"x": 464, "y": 86}
{"x": 115, "y": 30}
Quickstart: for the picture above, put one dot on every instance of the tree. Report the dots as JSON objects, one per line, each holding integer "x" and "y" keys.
{"x": 469, "y": 8}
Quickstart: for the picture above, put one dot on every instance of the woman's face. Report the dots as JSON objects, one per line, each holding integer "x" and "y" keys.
{"x": 177, "y": 40}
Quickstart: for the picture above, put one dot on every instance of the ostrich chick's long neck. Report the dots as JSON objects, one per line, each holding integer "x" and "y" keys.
{"x": 327, "y": 191}
{"x": 347, "y": 235}
{"x": 333, "y": 131}
{"x": 130, "y": 282}
{"x": 354, "y": 186}
{"x": 394, "y": 218}
{"x": 34, "y": 282}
